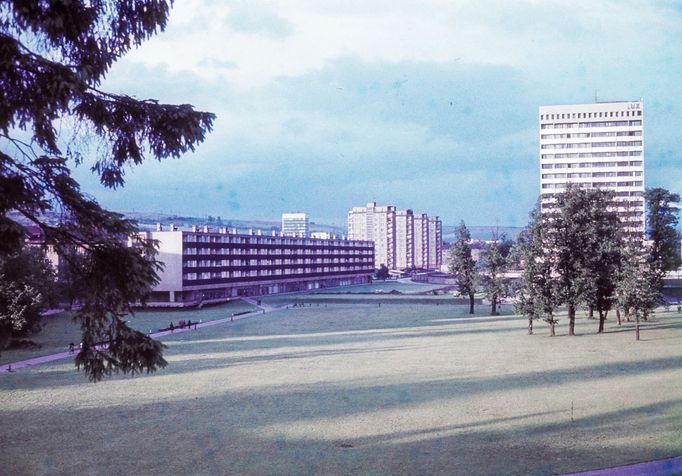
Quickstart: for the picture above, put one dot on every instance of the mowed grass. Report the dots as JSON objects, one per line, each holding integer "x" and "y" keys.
{"x": 383, "y": 286}
{"x": 360, "y": 389}
{"x": 60, "y": 329}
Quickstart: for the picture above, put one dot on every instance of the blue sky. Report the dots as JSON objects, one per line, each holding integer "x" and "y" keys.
{"x": 429, "y": 105}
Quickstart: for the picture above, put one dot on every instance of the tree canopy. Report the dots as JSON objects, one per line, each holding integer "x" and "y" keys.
{"x": 462, "y": 264}
{"x": 53, "y": 57}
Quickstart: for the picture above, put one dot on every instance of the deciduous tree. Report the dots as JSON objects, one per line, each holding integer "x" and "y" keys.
{"x": 493, "y": 265}
{"x": 536, "y": 293}
{"x": 463, "y": 266}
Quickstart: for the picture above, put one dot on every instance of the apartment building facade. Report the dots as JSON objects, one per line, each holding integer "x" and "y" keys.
{"x": 377, "y": 224}
{"x": 295, "y": 224}
{"x": 421, "y": 241}
{"x": 599, "y": 145}
{"x": 403, "y": 240}
{"x": 435, "y": 243}
{"x": 203, "y": 266}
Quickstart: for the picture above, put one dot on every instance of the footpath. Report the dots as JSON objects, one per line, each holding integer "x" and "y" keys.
{"x": 263, "y": 309}
{"x": 659, "y": 467}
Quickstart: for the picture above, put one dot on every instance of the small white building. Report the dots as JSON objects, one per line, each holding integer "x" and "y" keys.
{"x": 295, "y": 224}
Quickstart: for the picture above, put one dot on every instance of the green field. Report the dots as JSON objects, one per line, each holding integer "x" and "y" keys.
{"x": 59, "y": 330}
{"x": 383, "y": 287}
{"x": 358, "y": 389}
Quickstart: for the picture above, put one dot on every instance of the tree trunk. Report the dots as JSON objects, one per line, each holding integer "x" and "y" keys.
{"x": 571, "y": 320}
{"x": 591, "y": 313}
{"x": 471, "y": 303}
{"x": 530, "y": 326}
{"x": 637, "y": 328}
{"x": 618, "y": 316}
{"x": 602, "y": 318}
{"x": 627, "y": 314}
{"x": 552, "y": 331}
{"x": 493, "y": 302}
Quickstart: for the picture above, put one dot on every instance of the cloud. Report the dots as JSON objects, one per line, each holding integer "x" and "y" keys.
{"x": 431, "y": 106}
{"x": 250, "y": 18}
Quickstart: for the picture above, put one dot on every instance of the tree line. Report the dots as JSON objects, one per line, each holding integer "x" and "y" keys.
{"x": 577, "y": 254}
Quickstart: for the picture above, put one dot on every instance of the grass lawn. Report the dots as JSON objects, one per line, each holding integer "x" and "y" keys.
{"x": 60, "y": 329}
{"x": 358, "y": 389}
{"x": 383, "y": 286}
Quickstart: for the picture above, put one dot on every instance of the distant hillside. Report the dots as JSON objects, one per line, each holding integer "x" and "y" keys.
{"x": 149, "y": 221}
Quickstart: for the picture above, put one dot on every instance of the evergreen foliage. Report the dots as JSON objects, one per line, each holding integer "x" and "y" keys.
{"x": 53, "y": 57}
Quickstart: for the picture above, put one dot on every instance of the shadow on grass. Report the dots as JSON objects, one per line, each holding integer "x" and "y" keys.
{"x": 230, "y": 433}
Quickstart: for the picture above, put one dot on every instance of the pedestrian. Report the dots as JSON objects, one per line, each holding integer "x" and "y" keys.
{"x": 9, "y": 368}
{"x": 195, "y": 325}
{"x": 171, "y": 327}
{"x": 71, "y": 347}
{"x": 189, "y": 324}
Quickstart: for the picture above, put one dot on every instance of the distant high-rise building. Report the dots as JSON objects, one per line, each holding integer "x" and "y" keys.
{"x": 598, "y": 145}
{"x": 435, "y": 243}
{"x": 377, "y": 224}
{"x": 295, "y": 224}
{"x": 421, "y": 241}
{"x": 402, "y": 239}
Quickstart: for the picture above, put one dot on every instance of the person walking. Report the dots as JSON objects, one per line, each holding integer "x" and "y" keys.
{"x": 171, "y": 327}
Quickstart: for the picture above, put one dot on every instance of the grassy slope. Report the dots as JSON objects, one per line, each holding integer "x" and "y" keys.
{"x": 360, "y": 389}
{"x": 60, "y": 329}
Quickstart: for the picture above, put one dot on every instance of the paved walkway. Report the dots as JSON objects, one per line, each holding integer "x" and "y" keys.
{"x": 11, "y": 367}
{"x": 661, "y": 467}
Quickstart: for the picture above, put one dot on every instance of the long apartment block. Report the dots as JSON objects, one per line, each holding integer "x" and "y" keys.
{"x": 599, "y": 145}
{"x": 206, "y": 266}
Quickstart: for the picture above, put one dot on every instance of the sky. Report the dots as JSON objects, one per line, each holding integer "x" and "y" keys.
{"x": 430, "y": 105}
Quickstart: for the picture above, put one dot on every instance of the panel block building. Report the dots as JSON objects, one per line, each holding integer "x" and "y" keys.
{"x": 402, "y": 239}
{"x": 295, "y": 224}
{"x": 377, "y": 224}
{"x": 599, "y": 145}
{"x": 203, "y": 266}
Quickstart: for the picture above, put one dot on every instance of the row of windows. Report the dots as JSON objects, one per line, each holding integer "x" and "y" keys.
{"x": 636, "y": 183}
{"x": 590, "y": 115}
{"x": 275, "y": 251}
{"x": 269, "y": 272}
{"x": 582, "y": 165}
{"x": 592, "y": 174}
{"x": 269, "y": 262}
{"x": 587, "y": 145}
{"x": 267, "y": 240}
{"x": 584, "y": 155}
{"x": 575, "y": 125}
{"x": 582, "y": 135}
{"x": 621, "y": 193}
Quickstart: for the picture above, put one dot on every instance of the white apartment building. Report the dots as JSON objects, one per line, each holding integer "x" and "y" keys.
{"x": 435, "y": 243}
{"x": 205, "y": 265}
{"x": 404, "y": 239}
{"x": 295, "y": 224}
{"x": 421, "y": 241}
{"x": 599, "y": 145}
{"x": 377, "y": 224}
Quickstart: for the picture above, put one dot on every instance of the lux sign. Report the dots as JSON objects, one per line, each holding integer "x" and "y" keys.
{"x": 634, "y": 105}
